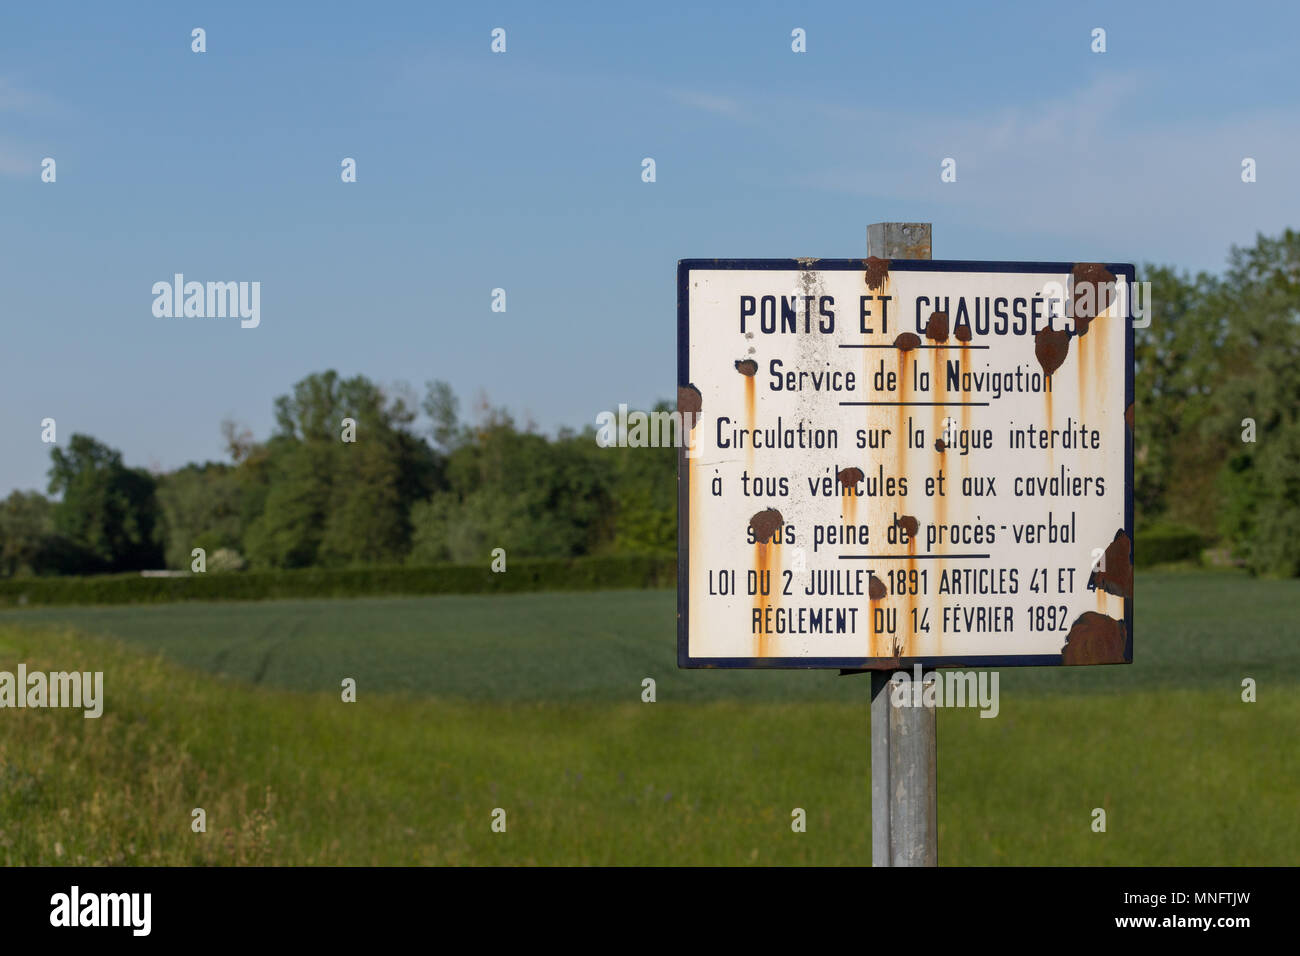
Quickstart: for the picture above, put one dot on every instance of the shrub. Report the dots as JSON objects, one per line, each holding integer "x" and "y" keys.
{"x": 1162, "y": 544}
{"x": 224, "y": 560}
{"x": 569, "y": 574}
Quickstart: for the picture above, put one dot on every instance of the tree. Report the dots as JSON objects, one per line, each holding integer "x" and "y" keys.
{"x": 238, "y": 440}
{"x": 644, "y": 493}
{"x": 26, "y": 520}
{"x": 1176, "y": 362}
{"x": 109, "y": 509}
{"x": 335, "y": 502}
{"x": 1260, "y": 356}
{"x": 201, "y": 508}
{"x": 443, "y": 408}
{"x": 287, "y": 531}
{"x": 531, "y": 495}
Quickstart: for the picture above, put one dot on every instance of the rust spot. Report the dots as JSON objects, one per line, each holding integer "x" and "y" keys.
{"x": 962, "y": 333}
{"x": 940, "y": 446}
{"x": 1050, "y": 348}
{"x": 907, "y": 341}
{"x": 689, "y": 402}
{"x": 1117, "y": 579}
{"x": 1094, "y": 639}
{"x": 877, "y": 272}
{"x": 908, "y": 524}
{"x": 1128, "y": 416}
{"x": 747, "y": 367}
{"x": 765, "y": 524}
{"x": 1094, "y": 285}
{"x": 936, "y": 328}
{"x": 917, "y": 250}
{"x": 849, "y": 477}
{"x": 876, "y": 588}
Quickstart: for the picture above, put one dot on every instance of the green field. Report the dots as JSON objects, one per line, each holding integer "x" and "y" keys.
{"x": 531, "y": 703}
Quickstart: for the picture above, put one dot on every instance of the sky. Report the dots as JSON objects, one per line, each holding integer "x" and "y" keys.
{"x": 522, "y": 170}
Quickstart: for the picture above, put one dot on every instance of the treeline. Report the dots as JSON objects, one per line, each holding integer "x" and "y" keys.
{"x": 352, "y": 476}
{"x": 1217, "y": 441}
{"x": 1217, "y": 380}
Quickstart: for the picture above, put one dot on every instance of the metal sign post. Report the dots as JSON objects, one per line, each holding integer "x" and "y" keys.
{"x": 904, "y": 745}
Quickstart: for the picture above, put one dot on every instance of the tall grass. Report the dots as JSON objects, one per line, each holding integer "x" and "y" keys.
{"x": 285, "y": 777}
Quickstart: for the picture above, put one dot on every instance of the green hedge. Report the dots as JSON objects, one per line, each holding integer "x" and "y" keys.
{"x": 1165, "y": 544}
{"x": 574, "y": 574}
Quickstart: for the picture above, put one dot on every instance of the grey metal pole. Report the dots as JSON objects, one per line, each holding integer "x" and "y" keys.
{"x": 904, "y": 748}
{"x": 880, "y": 789}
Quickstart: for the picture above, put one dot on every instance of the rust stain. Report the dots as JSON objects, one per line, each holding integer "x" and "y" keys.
{"x": 876, "y": 592}
{"x": 1093, "y": 288}
{"x": 907, "y": 649}
{"x": 963, "y": 358}
{"x": 750, "y": 418}
{"x": 940, "y": 384}
{"x": 940, "y": 501}
{"x": 765, "y": 524}
{"x": 1117, "y": 579}
{"x": 762, "y": 568}
{"x": 877, "y": 272}
{"x": 767, "y": 562}
{"x": 907, "y": 341}
{"x": 1094, "y": 639}
{"x": 1081, "y": 349}
{"x": 880, "y": 513}
{"x": 747, "y": 367}
{"x": 850, "y": 476}
{"x": 689, "y": 403}
{"x": 909, "y": 524}
{"x": 1128, "y": 416}
{"x": 936, "y": 329}
{"x": 1047, "y": 399}
{"x": 917, "y": 250}
{"x": 689, "y": 399}
{"x": 1050, "y": 348}
{"x": 1101, "y": 352}
{"x": 903, "y": 423}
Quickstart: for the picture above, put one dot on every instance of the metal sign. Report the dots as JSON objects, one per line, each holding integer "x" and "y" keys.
{"x": 916, "y": 461}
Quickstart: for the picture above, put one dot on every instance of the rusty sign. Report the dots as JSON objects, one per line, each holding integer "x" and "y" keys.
{"x": 918, "y": 461}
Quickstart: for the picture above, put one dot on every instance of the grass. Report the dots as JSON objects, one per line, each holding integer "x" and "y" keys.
{"x": 460, "y": 711}
{"x": 1193, "y": 631}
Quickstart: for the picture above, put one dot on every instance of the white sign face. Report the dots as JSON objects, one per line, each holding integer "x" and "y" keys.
{"x": 909, "y": 462}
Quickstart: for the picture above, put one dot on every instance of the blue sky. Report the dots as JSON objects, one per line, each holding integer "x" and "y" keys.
{"x": 522, "y": 171}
